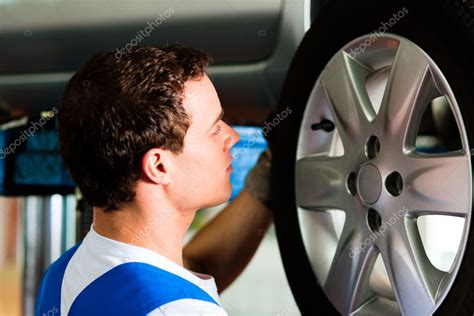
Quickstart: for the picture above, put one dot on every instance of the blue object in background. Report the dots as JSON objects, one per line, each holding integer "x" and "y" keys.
{"x": 432, "y": 150}
{"x": 245, "y": 154}
{"x": 30, "y": 162}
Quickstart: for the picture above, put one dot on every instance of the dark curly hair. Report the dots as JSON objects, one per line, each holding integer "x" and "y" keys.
{"x": 115, "y": 109}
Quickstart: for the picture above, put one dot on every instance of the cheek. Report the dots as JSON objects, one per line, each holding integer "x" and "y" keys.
{"x": 205, "y": 161}
{"x": 211, "y": 152}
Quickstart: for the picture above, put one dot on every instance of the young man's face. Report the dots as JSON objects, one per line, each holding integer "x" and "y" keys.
{"x": 202, "y": 171}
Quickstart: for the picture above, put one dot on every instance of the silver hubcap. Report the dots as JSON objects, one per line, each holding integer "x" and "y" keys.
{"x": 362, "y": 189}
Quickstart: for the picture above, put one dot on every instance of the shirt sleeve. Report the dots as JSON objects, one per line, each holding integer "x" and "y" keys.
{"x": 189, "y": 307}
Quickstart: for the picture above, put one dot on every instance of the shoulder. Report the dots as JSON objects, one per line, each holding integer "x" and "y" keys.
{"x": 137, "y": 288}
{"x": 49, "y": 296}
{"x": 189, "y": 307}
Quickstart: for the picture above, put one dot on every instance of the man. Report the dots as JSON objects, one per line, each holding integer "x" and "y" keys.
{"x": 143, "y": 138}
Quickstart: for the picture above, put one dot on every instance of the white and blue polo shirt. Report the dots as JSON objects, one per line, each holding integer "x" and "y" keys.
{"x": 101, "y": 276}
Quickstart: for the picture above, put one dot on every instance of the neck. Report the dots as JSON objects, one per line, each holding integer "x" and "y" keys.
{"x": 160, "y": 229}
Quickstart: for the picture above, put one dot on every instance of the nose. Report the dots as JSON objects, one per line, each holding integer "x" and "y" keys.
{"x": 232, "y": 139}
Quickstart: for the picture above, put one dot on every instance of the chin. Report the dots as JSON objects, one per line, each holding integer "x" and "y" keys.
{"x": 225, "y": 196}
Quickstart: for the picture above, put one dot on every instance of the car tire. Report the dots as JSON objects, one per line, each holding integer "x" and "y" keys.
{"x": 445, "y": 31}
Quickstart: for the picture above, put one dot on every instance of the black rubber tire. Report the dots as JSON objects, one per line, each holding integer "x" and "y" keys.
{"x": 443, "y": 29}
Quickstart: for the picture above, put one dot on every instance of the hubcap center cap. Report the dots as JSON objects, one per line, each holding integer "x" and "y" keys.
{"x": 369, "y": 183}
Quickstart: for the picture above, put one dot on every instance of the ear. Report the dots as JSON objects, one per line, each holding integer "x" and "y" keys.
{"x": 154, "y": 166}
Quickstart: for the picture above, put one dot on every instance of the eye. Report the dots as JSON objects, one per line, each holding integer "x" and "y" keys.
{"x": 218, "y": 130}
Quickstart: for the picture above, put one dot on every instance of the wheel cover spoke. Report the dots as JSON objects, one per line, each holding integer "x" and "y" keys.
{"x": 409, "y": 90}
{"x": 347, "y": 282}
{"x": 436, "y": 185}
{"x": 344, "y": 86}
{"x": 320, "y": 183}
{"x": 414, "y": 280}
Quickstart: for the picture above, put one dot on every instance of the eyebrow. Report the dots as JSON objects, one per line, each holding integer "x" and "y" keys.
{"x": 219, "y": 117}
